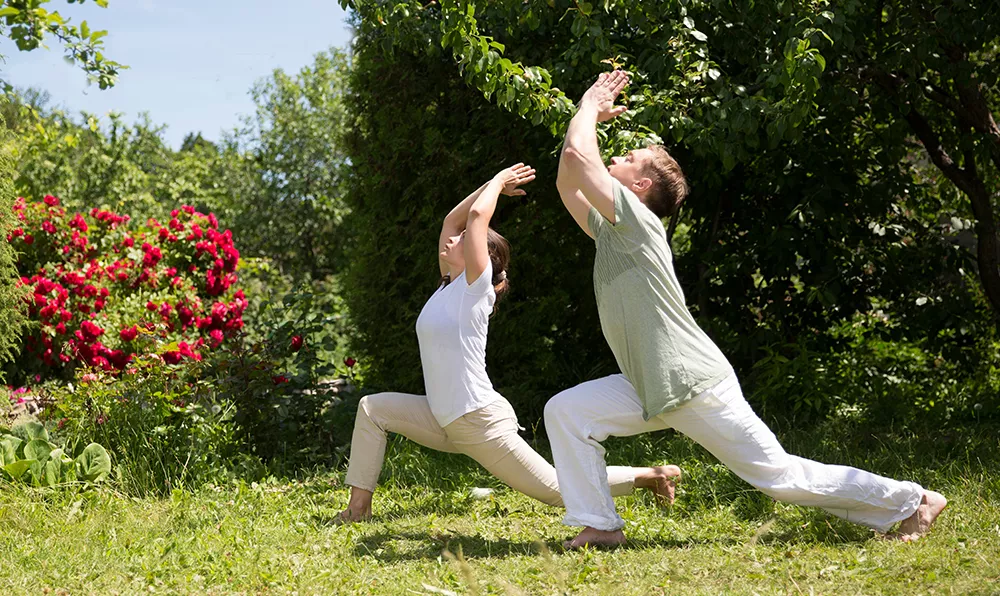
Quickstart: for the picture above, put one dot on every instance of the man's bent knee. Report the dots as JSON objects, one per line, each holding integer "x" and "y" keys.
{"x": 559, "y": 410}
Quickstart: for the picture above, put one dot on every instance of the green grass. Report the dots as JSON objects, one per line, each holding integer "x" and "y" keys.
{"x": 431, "y": 537}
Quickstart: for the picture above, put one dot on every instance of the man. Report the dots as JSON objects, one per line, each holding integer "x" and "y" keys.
{"x": 673, "y": 375}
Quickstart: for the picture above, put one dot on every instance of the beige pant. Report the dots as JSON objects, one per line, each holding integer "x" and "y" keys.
{"x": 487, "y": 435}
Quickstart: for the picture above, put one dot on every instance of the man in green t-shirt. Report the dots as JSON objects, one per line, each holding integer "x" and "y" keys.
{"x": 673, "y": 374}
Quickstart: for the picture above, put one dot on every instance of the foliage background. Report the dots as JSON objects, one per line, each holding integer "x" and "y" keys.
{"x": 12, "y": 309}
{"x": 820, "y": 247}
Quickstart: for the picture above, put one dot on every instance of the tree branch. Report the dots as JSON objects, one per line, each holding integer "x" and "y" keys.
{"x": 980, "y": 117}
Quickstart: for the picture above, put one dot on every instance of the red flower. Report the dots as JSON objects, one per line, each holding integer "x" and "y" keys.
{"x": 278, "y": 380}
{"x": 350, "y": 362}
{"x": 129, "y": 333}
{"x": 91, "y": 331}
{"x": 296, "y": 343}
{"x": 51, "y": 201}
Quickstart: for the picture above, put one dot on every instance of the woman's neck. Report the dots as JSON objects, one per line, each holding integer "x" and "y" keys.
{"x": 453, "y": 273}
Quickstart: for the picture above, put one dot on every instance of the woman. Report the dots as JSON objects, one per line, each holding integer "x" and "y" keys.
{"x": 461, "y": 412}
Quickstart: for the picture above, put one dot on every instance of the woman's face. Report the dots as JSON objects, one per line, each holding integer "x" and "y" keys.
{"x": 454, "y": 251}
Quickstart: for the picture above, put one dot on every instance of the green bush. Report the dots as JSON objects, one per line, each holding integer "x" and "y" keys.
{"x": 164, "y": 428}
{"x": 12, "y": 308}
{"x": 775, "y": 252}
{"x": 421, "y": 142}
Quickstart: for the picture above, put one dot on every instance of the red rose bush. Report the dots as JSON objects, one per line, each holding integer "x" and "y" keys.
{"x": 104, "y": 289}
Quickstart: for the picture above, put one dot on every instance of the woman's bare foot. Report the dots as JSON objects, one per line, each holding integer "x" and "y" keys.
{"x": 359, "y": 508}
{"x": 349, "y": 515}
{"x": 662, "y": 480}
{"x": 918, "y": 524}
{"x": 596, "y": 538}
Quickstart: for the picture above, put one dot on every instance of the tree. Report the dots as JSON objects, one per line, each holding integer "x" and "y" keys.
{"x": 28, "y": 22}
{"x": 808, "y": 210}
{"x": 728, "y": 80}
{"x": 196, "y": 142}
{"x": 935, "y": 69}
{"x": 292, "y": 145}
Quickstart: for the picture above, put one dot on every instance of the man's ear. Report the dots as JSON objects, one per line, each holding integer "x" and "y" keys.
{"x": 642, "y": 185}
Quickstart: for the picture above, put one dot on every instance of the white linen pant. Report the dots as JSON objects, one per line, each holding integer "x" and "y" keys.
{"x": 578, "y": 419}
{"x": 487, "y": 435}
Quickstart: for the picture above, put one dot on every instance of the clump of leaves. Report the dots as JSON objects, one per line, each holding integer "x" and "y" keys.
{"x": 26, "y": 454}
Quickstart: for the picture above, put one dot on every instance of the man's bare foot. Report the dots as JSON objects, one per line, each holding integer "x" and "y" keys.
{"x": 596, "y": 538}
{"x": 918, "y": 524}
{"x": 662, "y": 480}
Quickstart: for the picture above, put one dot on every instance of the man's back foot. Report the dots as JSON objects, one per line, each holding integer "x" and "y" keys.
{"x": 919, "y": 524}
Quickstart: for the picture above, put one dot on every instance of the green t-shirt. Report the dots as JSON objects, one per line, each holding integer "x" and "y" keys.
{"x": 657, "y": 343}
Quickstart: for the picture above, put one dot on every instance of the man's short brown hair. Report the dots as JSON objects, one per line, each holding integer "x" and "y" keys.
{"x": 669, "y": 188}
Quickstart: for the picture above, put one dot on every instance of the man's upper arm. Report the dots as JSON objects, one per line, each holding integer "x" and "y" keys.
{"x": 578, "y": 207}
{"x": 591, "y": 177}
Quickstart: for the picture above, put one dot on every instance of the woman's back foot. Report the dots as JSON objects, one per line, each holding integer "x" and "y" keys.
{"x": 662, "y": 481}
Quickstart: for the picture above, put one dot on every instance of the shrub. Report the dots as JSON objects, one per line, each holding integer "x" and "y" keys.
{"x": 26, "y": 454}
{"x": 103, "y": 290}
{"x": 422, "y": 141}
{"x": 165, "y": 427}
{"x": 12, "y": 317}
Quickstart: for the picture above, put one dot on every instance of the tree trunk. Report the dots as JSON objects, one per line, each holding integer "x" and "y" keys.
{"x": 969, "y": 181}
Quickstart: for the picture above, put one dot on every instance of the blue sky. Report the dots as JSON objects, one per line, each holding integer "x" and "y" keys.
{"x": 192, "y": 63}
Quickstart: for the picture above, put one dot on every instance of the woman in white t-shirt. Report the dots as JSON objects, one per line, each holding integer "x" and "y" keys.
{"x": 461, "y": 412}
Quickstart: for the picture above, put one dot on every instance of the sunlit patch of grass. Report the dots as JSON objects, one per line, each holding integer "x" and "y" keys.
{"x": 430, "y": 536}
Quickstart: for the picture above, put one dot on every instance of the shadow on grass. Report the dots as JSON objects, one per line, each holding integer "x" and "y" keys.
{"x": 395, "y": 546}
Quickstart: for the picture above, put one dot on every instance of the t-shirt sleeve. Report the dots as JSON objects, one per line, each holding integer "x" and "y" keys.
{"x": 484, "y": 283}
{"x": 634, "y": 223}
{"x": 596, "y": 221}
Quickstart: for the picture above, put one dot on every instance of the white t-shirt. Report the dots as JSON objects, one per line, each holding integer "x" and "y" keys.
{"x": 451, "y": 330}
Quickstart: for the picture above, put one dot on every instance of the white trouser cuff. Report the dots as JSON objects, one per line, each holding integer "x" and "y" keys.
{"x": 598, "y": 522}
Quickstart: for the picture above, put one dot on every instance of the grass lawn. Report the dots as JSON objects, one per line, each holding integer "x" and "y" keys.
{"x": 432, "y": 537}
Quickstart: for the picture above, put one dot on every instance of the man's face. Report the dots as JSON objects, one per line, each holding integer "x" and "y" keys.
{"x": 629, "y": 169}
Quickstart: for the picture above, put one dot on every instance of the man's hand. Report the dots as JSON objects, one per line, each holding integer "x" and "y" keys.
{"x": 515, "y": 176}
{"x": 603, "y": 93}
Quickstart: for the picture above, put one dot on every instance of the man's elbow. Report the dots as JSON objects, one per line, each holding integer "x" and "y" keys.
{"x": 571, "y": 157}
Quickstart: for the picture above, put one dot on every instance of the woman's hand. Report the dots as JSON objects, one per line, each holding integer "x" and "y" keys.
{"x": 515, "y": 176}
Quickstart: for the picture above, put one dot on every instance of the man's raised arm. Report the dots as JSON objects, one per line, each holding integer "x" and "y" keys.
{"x": 583, "y": 179}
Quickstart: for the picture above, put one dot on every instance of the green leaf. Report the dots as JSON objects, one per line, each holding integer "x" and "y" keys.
{"x": 38, "y": 449}
{"x": 34, "y": 430}
{"x": 9, "y": 445}
{"x": 52, "y": 474}
{"x": 586, "y": 8}
{"x": 820, "y": 60}
{"x": 17, "y": 469}
{"x": 94, "y": 464}
{"x": 8, "y": 11}
{"x": 699, "y": 35}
